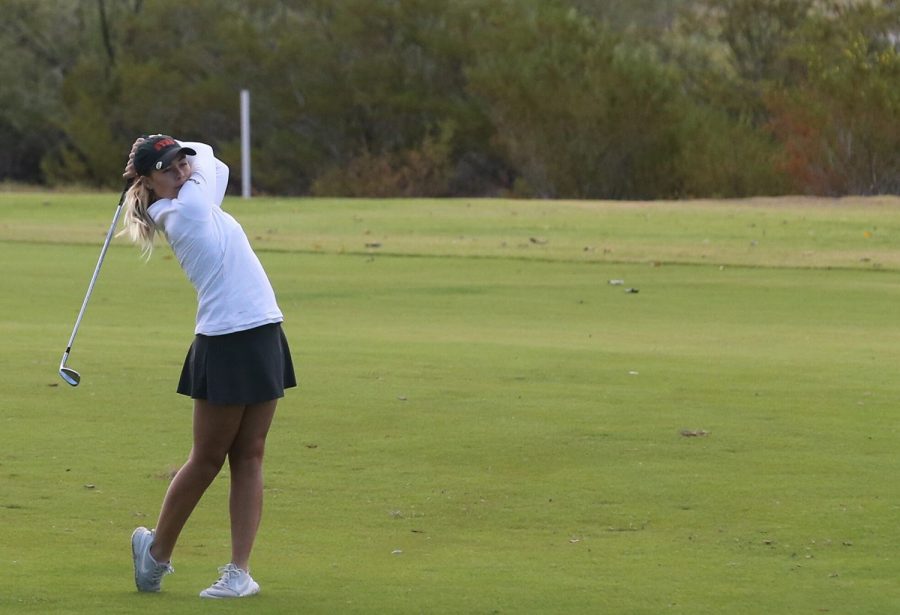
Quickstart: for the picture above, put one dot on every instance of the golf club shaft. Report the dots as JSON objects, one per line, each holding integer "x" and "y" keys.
{"x": 87, "y": 296}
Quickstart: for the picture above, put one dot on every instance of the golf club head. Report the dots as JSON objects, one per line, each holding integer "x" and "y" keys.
{"x": 70, "y": 375}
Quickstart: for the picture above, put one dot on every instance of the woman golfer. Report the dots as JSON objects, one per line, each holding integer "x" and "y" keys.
{"x": 238, "y": 365}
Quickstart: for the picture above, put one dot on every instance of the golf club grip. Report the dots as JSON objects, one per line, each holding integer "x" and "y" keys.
{"x": 109, "y": 235}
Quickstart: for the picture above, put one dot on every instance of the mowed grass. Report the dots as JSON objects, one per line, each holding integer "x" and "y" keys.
{"x": 484, "y": 423}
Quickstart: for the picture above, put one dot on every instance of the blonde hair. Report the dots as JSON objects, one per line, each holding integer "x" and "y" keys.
{"x": 138, "y": 224}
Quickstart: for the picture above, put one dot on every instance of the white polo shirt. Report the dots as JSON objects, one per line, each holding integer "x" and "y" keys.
{"x": 233, "y": 291}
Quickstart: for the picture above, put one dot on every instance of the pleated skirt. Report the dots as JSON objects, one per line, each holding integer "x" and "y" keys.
{"x": 245, "y": 367}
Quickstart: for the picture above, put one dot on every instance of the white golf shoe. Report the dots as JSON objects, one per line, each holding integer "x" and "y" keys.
{"x": 148, "y": 573}
{"x": 234, "y": 583}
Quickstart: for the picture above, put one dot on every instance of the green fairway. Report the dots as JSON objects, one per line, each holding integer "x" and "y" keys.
{"x": 484, "y": 424}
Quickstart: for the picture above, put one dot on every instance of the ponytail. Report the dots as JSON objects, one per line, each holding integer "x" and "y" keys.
{"x": 138, "y": 224}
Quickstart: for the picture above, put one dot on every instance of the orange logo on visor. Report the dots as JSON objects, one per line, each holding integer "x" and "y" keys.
{"x": 164, "y": 143}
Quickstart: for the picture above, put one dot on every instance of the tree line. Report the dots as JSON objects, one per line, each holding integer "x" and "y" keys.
{"x": 531, "y": 98}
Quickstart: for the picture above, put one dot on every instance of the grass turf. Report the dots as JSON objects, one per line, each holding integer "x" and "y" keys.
{"x": 484, "y": 424}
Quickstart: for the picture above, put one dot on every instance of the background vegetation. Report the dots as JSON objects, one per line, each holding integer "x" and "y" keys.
{"x": 543, "y": 98}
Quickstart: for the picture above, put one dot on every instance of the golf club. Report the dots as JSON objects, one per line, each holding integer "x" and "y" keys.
{"x": 67, "y": 373}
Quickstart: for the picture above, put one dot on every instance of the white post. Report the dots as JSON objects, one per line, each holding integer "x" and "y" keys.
{"x": 245, "y": 143}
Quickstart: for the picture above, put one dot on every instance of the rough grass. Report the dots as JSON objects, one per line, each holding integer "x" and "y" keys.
{"x": 484, "y": 424}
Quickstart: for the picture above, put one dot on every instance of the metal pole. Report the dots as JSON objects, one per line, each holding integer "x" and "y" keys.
{"x": 245, "y": 143}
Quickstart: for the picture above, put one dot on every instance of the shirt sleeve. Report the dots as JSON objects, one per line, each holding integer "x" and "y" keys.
{"x": 221, "y": 181}
{"x": 200, "y": 192}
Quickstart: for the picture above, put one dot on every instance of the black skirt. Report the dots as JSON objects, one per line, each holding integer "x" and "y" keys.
{"x": 245, "y": 367}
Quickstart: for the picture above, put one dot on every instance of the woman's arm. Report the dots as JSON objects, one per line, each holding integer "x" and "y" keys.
{"x": 209, "y": 171}
{"x": 203, "y": 165}
{"x": 221, "y": 181}
{"x": 203, "y": 188}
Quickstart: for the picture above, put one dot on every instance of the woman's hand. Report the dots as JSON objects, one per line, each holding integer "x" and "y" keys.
{"x": 130, "y": 172}
{"x": 129, "y": 166}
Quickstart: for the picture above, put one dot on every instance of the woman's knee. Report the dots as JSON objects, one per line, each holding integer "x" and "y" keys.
{"x": 206, "y": 464}
{"x": 247, "y": 454}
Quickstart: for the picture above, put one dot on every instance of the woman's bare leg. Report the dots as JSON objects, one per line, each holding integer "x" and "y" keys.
{"x": 215, "y": 430}
{"x": 245, "y": 458}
